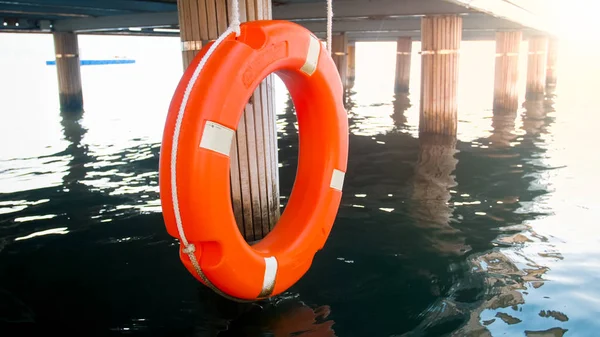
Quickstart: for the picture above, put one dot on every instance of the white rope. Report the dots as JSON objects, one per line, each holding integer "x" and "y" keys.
{"x": 189, "y": 248}
{"x": 329, "y": 24}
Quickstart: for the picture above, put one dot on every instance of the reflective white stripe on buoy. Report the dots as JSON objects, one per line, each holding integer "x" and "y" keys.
{"x": 312, "y": 56}
{"x": 337, "y": 180}
{"x": 269, "y": 278}
{"x": 217, "y": 137}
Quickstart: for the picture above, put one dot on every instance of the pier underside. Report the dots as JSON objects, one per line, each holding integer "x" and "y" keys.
{"x": 361, "y": 20}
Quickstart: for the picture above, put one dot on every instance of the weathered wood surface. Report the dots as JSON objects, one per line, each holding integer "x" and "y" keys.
{"x": 339, "y": 48}
{"x": 403, "y": 56}
{"x": 506, "y": 95}
{"x": 441, "y": 36}
{"x": 536, "y": 67}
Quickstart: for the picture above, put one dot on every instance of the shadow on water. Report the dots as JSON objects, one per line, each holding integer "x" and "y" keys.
{"x": 285, "y": 315}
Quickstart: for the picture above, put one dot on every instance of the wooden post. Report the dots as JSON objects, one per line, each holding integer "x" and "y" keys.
{"x": 440, "y": 40}
{"x": 254, "y": 169}
{"x": 66, "y": 49}
{"x": 506, "y": 96}
{"x": 403, "y": 55}
{"x": 351, "y": 66}
{"x": 536, "y": 67}
{"x": 551, "y": 66}
{"x": 339, "y": 47}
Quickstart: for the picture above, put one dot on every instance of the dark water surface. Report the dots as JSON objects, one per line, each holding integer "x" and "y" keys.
{"x": 493, "y": 234}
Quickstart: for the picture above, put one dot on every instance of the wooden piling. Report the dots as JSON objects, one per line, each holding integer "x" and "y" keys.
{"x": 403, "y": 56}
{"x": 551, "y": 63}
{"x": 339, "y": 47}
{"x": 68, "y": 70}
{"x": 506, "y": 95}
{"x": 254, "y": 163}
{"x": 536, "y": 67}
{"x": 440, "y": 40}
{"x": 351, "y": 66}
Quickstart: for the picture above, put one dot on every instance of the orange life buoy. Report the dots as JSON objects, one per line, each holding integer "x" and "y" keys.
{"x": 194, "y": 160}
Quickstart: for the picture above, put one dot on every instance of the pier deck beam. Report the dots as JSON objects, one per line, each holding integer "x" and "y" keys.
{"x": 403, "y": 55}
{"x": 339, "y": 48}
{"x": 254, "y": 163}
{"x": 551, "y": 63}
{"x": 68, "y": 70}
{"x": 536, "y": 67}
{"x": 440, "y": 40}
{"x": 351, "y": 66}
{"x": 506, "y": 95}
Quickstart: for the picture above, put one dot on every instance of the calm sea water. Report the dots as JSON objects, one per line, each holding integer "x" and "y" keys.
{"x": 495, "y": 234}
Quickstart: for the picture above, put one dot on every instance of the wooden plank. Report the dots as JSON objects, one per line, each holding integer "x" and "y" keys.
{"x": 243, "y": 160}
{"x": 211, "y": 12}
{"x": 251, "y": 10}
{"x": 267, "y": 157}
{"x": 222, "y": 19}
{"x": 263, "y": 211}
{"x": 274, "y": 154}
{"x": 253, "y": 168}
{"x": 203, "y": 20}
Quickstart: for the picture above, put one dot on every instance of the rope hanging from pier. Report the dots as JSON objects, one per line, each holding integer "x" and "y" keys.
{"x": 234, "y": 27}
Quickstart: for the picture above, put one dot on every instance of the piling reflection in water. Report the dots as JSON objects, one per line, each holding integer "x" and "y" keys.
{"x": 401, "y": 104}
{"x": 503, "y": 129}
{"x": 432, "y": 183}
{"x": 79, "y": 152}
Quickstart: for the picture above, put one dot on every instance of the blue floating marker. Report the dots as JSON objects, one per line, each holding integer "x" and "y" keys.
{"x": 96, "y": 62}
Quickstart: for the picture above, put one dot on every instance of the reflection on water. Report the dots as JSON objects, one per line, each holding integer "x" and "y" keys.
{"x": 401, "y": 104}
{"x": 433, "y": 181}
{"x": 490, "y": 234}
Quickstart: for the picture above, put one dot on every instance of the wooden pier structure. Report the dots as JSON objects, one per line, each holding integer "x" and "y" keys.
{"x": 440, "y": 25}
